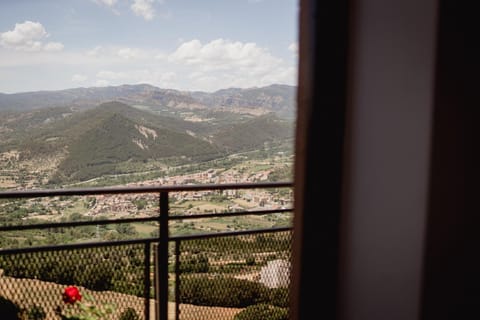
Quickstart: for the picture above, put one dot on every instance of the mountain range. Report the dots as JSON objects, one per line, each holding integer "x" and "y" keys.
{"x": 88, "y": 133}
{"x": 274, "y": 98}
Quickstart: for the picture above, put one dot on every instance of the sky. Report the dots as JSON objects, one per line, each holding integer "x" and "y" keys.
{"x": 193, "y": 45}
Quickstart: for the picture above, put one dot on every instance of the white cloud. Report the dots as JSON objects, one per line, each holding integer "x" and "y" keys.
{"x": 53, "y": 46}
{"x": 79, "y": 78}
{"x": 130, "y": 53}
{"x": 95, "y": 52}
{"x": 122, "y": 53}
{"x": 187, "y": 51}
{"x": 224, "y": 63}
{"x": 143, "y": 8}
{"x": 24, "y": 34}
{"x": 28, "y": 36}
{"x": 223, "y": 54}
{"x": 293, "y": 47}
{"x": 161, "y": 56}
{"x": 108, "y": 3}
{"x": 101, "y": 83}
{"x": 156, "y": 77}
{"x": 193, "y": 65}
{"x": 110, "y": 75}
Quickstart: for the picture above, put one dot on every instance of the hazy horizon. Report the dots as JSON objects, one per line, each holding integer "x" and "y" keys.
{"x": 148, "y": 84}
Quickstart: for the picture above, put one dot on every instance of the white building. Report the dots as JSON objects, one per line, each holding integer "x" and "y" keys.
{"x": 276, "y": 274}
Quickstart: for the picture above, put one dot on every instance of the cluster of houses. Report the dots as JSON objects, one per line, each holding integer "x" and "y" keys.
{"x": 125, "y": 204}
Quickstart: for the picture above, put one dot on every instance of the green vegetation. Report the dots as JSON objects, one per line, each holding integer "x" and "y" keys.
{"x": 117, "y": 140}
{"x": 262, "y": 312}
{"x": 35, "y": 313}
{"x": 277, "y": 242}
{"x": 195, "y": 264}
{"x": 227, "y": 292}
{"x": 114, "y": 139}
{"x": 284, "y": 173}
{"x": 129, "y": 314}
{"x": 253, "y": 133}
{"x": 15, "y": 212}
{"x": 115, "y": 144}
{"x": 118, "y": 269}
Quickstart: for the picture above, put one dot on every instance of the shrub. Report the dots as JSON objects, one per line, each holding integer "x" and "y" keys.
{"x": 35, "y": 313}
{"x": 276, "y": 296}
{"x": 262, "y": 312}
{"x": 223, "y": 292}
{"x": 230, "y": 292}
{"x": 129, "y": 314}
{"x": 250, "y": 260}
{"x": 195, "y": 264}
{"x": 96, "y": 268}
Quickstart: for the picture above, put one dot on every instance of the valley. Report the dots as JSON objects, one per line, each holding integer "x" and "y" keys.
{"x": 163, "y": 138}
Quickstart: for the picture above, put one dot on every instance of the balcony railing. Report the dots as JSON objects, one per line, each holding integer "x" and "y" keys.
{"x": 172, "y": 273}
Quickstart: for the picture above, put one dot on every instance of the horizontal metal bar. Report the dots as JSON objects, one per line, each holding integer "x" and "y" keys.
{"x": 228, "y": 214}
{"x": 144, "y": 189}
{"x": 75, "y": 224}
{"x": 77, "y": 246}
{"x": 228, "y": 234}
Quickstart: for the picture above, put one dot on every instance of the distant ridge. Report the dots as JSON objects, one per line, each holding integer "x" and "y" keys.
{"x": 274, "y": 98}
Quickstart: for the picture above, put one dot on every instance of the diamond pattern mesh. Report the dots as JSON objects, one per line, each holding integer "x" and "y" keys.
{"x": 112, "y": 275}
{"x": 227, "y": 277}
{"x": 223, "y": 277}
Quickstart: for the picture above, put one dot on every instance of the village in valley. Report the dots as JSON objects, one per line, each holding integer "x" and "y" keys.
{"x": 189, "y": 203}
{"x": 232, "y": 200}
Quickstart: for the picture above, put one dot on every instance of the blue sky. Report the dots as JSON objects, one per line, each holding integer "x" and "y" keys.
{"x": 178, "y": 44}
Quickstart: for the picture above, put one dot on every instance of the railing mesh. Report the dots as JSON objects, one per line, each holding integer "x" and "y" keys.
{"x": 230, "y": 277}
{"x": 234, "y": 266}
{"x": 107, "y": 277}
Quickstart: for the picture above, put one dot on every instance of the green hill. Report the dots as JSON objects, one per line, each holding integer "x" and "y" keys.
{"x": 100, "y": 141}
{"x": 115, "y": 138}
{"x": 253, "y": 133}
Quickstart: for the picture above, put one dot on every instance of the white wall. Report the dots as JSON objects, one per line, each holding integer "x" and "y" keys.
{"x": 388, "y": 150}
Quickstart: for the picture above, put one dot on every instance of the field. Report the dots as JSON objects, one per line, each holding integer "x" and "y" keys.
{"x": 28, "y": 292}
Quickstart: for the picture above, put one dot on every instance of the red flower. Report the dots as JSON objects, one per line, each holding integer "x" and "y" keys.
{"x": 71, "y": 295}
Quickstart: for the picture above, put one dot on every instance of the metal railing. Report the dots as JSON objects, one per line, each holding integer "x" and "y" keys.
{"x": 114, "y": 266}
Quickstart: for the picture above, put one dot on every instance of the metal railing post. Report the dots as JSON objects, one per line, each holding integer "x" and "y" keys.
{"x": 161, "y": 285}
{"x": 177, "y": 280}
{"x": 146, "y": 290}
